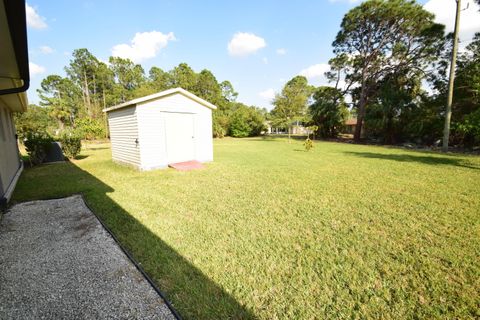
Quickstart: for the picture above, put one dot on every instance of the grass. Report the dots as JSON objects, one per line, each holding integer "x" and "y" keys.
{"x": 270, "y": 231}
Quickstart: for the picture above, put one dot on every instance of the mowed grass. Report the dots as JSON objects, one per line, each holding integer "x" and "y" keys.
{"x": 270, "y": 231}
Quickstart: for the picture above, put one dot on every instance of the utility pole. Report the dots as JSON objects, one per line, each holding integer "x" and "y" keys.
{"x": 448, "y": 115}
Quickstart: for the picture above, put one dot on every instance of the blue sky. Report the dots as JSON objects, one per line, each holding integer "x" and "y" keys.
{"x": 257, "y": 45}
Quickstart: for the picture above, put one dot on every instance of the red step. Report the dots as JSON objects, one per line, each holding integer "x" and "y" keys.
{"x": 186, "y": 166}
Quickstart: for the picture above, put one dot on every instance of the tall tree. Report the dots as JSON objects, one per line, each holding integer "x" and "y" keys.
{"x": 159, "y": 79}
{"x": 466, "y": 109}
{"x": 328, "y": 110}
{"x": 60, "y": 95}
{"x": 291, "y": 103}
{"x": 379, "y": 37}
{"x": 228, "y": 93}
{"x": 208, "y": 88}
{"x": 184, "y": 77}
{"x": 81, "y": 70}
{"x": 128, "y": 77}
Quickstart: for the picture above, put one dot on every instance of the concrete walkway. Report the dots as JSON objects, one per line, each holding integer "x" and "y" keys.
{"x": 58, "y": 262}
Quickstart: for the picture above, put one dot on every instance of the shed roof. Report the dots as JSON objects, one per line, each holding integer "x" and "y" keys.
{"x": 160, "y": 95}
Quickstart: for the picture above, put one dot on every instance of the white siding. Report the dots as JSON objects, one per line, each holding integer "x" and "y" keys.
{"x": 152, "y": 137}
{"x": 9, "y": 156}
{"x": 151, "y": 119}
{"x": 123, "y": 133}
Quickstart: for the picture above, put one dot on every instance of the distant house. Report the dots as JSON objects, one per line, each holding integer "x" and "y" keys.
{"x": 164, "y": 128}
{"x": 350, "y": 125}
{"x": 14, "y": 81}
{"x": 298, "y": 128}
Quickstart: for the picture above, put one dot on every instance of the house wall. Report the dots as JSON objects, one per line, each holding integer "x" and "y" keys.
{"x": 151, "y": 120}
{"x": 9, "y": 156}
{"x": 123, "y": 134}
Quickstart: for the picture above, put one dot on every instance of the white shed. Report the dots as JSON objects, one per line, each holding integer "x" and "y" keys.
{"x": 160, "y": 129}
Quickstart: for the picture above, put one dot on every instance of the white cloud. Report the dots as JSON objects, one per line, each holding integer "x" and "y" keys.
{"x": 46, "y": 50}
{"x": 281, "y": 51}
{"x": 242, "y": 44}
{"x": 144, "y": 45}
{"x": 34, "y": 20}
{"x": 36, "y": 69}
{"x": 316, "y": 71}
{"x": 445, "y": 13}
{"x": 268, "y": 94}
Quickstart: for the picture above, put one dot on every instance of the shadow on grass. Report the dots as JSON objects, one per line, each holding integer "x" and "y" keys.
{"x": 430, "y": 160}
{"x": 191, "y": 292}
{"x": 89, "y": 147}
{"x": 81, "y": 157}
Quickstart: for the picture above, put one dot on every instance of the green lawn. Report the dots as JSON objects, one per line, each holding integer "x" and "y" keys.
{"x": 270, "y": 231}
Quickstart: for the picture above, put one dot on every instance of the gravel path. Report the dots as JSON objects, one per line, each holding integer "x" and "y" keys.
{"x": 58, "y": 262}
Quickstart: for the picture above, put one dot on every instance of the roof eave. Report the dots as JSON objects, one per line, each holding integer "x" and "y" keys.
{"x": 162, "y": 94}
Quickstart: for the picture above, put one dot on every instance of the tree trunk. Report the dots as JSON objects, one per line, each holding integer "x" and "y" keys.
{"x": 87, "y": 94}
{"x": 361, "y": 113}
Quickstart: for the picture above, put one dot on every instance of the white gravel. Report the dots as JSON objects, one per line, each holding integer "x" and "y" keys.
{"x": 58, "y": 262}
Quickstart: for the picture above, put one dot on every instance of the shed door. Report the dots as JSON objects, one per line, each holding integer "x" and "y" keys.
{"x": 180, "y": 139}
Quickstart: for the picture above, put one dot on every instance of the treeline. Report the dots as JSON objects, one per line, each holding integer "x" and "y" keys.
{"x": 75, "y": 102}
{"x": 387, "y": 53}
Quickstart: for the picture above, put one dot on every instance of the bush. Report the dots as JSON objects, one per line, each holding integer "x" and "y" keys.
{"x": 90, "y": 129}
{"x": 220, "y": 124}
{"x": 246, "y": 121}
{"x": 71, "y": 144}
{"x": 37, "y": 145}
{"x": 308, "y": 144}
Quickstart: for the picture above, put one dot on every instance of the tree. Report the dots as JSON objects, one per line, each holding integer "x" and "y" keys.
{"x": 61, "y": 96}
{"x": 328, "y": 110}
{"x": 184, "y": 77}
{"x": 128, "y": 77}
{"x": 228, "y": 93}
{"x": 466, "y": 110}
{"x": 379, "y": 37}
{"x": 246, "y": 121}
{"x": 81, "y": 71}
{"x": 35, "y": 119}
{"x": 105, "y": 83}
{"x": 207, "y": 87}
{"x": 159, "y": 79}
{"x": 291, "y": 103}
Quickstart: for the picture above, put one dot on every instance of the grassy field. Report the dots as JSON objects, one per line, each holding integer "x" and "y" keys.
{"x": 270, "y": 231}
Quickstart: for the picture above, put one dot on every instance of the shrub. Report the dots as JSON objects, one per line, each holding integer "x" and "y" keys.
{"x": 71, "y": 144}
{"x": 308, "y": 144}
{"x": 246, "y": 121}
{"x": 218, "y": 131}
{"x": 37, "y": 145}
{"x": 220, "y": 124}
{"x": 90, "y": 129}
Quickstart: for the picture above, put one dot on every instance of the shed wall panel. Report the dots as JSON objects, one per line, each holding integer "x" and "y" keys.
{"x": 152, "y": 137}
{"x": 123, "y": 134}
